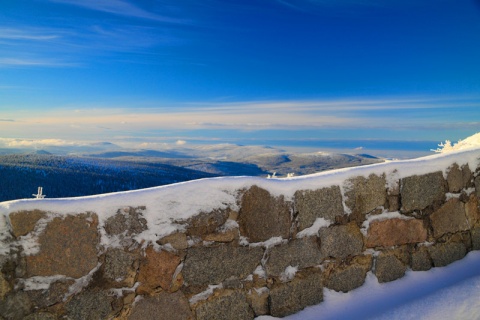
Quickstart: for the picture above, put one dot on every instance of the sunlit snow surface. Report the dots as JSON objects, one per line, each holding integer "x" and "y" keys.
{"x": 451, "y": 292}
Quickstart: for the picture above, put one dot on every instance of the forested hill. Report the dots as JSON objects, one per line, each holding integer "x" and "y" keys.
{"x": 68, "y": 176}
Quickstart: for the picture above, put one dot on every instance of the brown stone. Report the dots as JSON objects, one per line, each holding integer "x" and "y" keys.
{"x": 458, "y": 178}
{"x": 472, "y": 211}
{"x": 258, "y": 301}
{"x": 393, "y": 203}
{"x": 164, "y": 306}
{"x": 449, "y": 218}
{"x": 364, "y": 195}
{"x": 341, "y": 241}
{"x": 227, "y": 236}
{"x": 24, "y": 222}
{"x": 4, "y": 287}
{"x": 157, "y": 269}
{"x": 322, "y": 203}
{"x": 67, "y": 247}
{"x": 177, "y": 240}
{"x": 207, "y": 222}
{"x": 263, "y": 216}
{"x": 395, "y": 232}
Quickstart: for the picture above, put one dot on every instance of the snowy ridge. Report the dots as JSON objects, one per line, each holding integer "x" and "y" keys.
{"x": 183, "y": 200}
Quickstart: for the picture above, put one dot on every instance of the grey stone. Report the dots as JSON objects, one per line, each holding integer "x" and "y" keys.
{"x": 129, "y": 220}
{"x": 15, "y": 306}
{"x": 301, "y": 253}
{"x": 450, "y": 218}
{"x": 68, "y": 246}
{"x": 388, "y": 267}
{"x": 263, "y": 216}
{"x": 119, "y": 267}
{"x": 227, "y": 306}
{"x": 477, "y": 186}
{"x": 421, "y": 260}
{"x": 212, "y": 265}
{"x": 419, "y": 192}
{"x": 288, "y": 298}
{"x": 445, "y": 253}
{"x": 458, "y": 178}
{"x": 322, "y": 203}
{"x": 347, "y": 278}
{"x": 475, "y": 233}
{"x": 207, "y": 222}
{"x": 232, "y": 284}
{"x": 164, "y": 306}
{"x": 92, "y": 305}
{"x": 364, "y": 195}
{"x": 41, "y": 316}
{"x": 54, "y": 294}
{"x": 341, "y": 241}
{"x": 177, "y": 240}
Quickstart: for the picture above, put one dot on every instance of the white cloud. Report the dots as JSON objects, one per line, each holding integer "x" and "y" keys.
{"x": 180, "y": 142}
{"x": 10, "y": 142}
{"x": 26, "y": 62}
{"x": 119, "y": 7}
{"x": 27, "y": 34}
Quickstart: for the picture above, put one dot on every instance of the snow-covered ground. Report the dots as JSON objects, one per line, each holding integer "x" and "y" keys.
{"x": 445, "y": 293}
{"x": 450, "y": 292}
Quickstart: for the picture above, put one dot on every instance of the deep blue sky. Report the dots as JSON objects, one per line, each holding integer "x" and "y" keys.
{"x": 240, "y": 71}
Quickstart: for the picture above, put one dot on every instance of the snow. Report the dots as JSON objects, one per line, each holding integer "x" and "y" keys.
{"x": 313, "y": 230}
{"x": 449, "y": 292}
{"x": 167, "y": 206}
{"x": 441, "y": 293}
{"x": 289, "y": 273}
{"x": 468, "y": 143}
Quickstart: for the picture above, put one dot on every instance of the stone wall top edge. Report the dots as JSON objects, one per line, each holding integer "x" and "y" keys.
{"x": 393, "y": 169}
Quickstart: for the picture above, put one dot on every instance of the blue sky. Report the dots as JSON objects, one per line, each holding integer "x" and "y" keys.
{"x": 241, "y": 71}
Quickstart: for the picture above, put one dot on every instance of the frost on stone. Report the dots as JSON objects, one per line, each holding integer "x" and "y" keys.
{"x": 313, "y": 230}
{"x": 288, "y": 274}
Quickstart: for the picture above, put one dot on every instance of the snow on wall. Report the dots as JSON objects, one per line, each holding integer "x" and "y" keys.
{"x": 259, "y": 244}
{"x": 186, "y": 199}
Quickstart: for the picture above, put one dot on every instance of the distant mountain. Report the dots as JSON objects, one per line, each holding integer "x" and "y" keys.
{"x": 94, "y": 172}
{"x": 64, "y": 176}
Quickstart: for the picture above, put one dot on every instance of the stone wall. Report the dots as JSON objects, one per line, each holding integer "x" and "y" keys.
{"x": 269, "y": 255}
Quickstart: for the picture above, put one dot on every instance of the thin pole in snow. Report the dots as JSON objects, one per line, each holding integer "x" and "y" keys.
{"x": 39, "y": 195}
